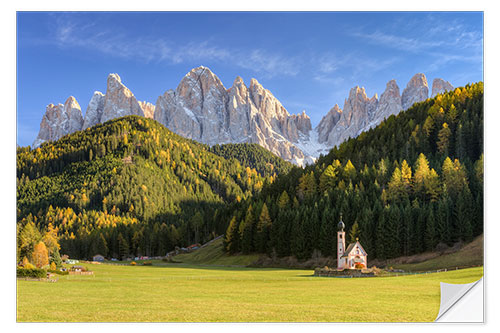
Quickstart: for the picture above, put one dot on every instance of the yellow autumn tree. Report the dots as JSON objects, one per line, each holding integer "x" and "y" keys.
{"x": 50, "y": 240}
{"x": 40, "y": 255}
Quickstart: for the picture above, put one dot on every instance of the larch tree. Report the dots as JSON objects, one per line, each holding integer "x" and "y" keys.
{"x": 40, "y": 255}
{"x": 444, "y": 137}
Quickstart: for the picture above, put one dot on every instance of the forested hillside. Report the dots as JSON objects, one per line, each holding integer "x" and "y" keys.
{"x": 404, "y": 187}
{"x": 254, "y": 156}
{"x": 131, "y": 187}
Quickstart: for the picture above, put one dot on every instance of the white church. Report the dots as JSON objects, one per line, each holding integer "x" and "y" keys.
{"x": 354, "y": 257}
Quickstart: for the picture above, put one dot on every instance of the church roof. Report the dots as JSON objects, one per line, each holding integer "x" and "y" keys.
{"x": 351, "y": 247}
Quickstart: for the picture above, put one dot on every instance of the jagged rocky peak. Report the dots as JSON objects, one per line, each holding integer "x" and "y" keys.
{"x": 416, "y": 90}
{"x": 390, "y": 101}
{"x": 119, "y": 100}
{"x": 59, "y": 120}
{"x": 303, "y": 122}
{"x": 93, "y": 114}
{"x": 197, "y": 83}
{"x": 371, "y": 106}
{"x": 238, "y": 88}
{"x": 265, "y": 101}
{"x": 440, "y": 86}
{"x": 327, "y": 123}
{"x": 354, "y": 116}
{"x": 356, "y": 102}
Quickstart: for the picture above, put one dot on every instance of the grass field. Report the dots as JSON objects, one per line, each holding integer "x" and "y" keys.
{"x": 183, "y": 293}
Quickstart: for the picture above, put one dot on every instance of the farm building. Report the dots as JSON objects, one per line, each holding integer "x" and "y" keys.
{"x": 354, "y": 257}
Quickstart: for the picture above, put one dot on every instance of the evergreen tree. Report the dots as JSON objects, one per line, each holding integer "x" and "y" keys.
{"x": 123, "y": 247}
{"x": 283, "y": 200}
{"x": 430, "y": 231}
{"x": 444, "y": 136}
{"x": 355, "y": 232}
{"x": 231, "y": 241}
{"x": 263, "y": 230}
{"x": 246, "y": 232}
{"x": 328, "y": 178}
{"x": 102, "y": 246}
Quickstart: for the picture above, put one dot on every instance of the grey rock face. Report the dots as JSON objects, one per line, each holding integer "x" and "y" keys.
{"x": 59, "y": 120}
{"x": 327, "y": 123}
{"x": 201, "y": 108}
{"x": 416, "y": 90}
{"x": 119, "y": 100}
{"x": 361, "y": 113}
{"x": 93, "y": 114}
{"x": 148, "y": 109}
{"x": 355, "y": 116}
{"x": 389, "y": 104}
{"x": 440, "y": 86}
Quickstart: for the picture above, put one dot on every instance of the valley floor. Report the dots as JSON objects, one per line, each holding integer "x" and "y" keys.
{"x": 189, "y": 293}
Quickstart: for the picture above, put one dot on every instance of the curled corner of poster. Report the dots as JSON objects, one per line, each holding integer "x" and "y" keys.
{"x": 462, "y": 303}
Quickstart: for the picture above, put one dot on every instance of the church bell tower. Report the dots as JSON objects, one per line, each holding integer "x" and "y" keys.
{"x": 340, "y": 243}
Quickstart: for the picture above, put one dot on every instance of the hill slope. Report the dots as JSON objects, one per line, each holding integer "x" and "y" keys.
{"x": 214, "y": 254}
{"x": 468, "y": 256}
{"x": 130, "y": 186}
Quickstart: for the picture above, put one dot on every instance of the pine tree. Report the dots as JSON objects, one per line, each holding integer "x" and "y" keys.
{"x": 442, "y": 227}
{"x": 406, "y": 176}
{"x": 380, "y": 243}
{"x": 432, "y": 186}
{"x": 263, "y": 230}
{"x": 283, "y": 200}
{"x": 327, "y": 236}
{"x": 297, "y": 244}
{"x": 56, "y": 259}
{"x": 430, "y": 231}
{"x": 355, "y": 232}
{"x": 231, "y": 241}
{"x": 422, "y": 173}
{"x": 246, "y": 232}
{"x": 328, "y": 179}
{"x": 349, "y": 171}
{"x": 123, "y": 246}
{"x": 102, "y": 246}
{"x": 444, "y": 137}
{"x": 397, "y": 188}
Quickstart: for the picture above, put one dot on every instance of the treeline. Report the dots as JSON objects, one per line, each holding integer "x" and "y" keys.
{"x": 412, "y": 183}
{"x": 132, "y": 185}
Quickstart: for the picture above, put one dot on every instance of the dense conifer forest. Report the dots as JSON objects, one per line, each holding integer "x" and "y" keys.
{"x": 132, "y": 187}
{"x": 411, "y": 183}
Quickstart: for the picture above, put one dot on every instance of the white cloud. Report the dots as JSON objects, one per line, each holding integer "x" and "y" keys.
{"x": 427, "y": 34}
{"x": 267, "y": 64}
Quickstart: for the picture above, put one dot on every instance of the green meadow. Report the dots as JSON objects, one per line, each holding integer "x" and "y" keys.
{"x": 188, "y": 293}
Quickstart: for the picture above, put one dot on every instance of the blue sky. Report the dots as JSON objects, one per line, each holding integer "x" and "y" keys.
{"x": 309, "y": 61}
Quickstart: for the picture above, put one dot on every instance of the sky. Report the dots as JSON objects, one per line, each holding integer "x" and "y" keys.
{"x": 308, "y": 60}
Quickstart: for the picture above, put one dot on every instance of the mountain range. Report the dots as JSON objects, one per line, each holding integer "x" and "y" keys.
{"x": 202, "y": 109}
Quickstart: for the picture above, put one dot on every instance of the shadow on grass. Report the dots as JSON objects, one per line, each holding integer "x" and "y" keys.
{"x": 208, "y": 267}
